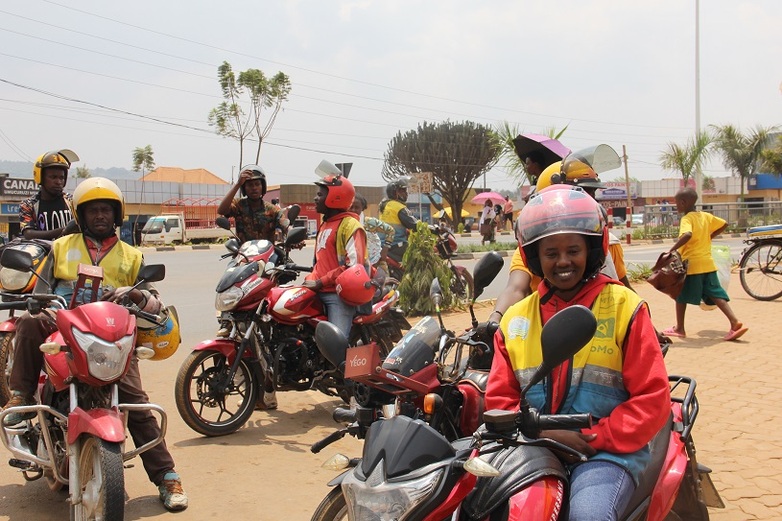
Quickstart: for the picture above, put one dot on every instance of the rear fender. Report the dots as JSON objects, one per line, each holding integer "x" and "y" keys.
{"x": 106, "y": 424}
{"x": 671, "y": 475}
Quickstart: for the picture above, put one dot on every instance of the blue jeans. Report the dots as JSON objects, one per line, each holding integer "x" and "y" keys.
{"x": 599, "y": 491}
{"x": 339, "y": 313}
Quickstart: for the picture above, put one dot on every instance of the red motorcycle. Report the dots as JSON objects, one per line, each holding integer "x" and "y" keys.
{"x": 15, "y": 284}
{"x": 78, "y": 434}
{"x": 462, "y": 285}
{"x": 432, "y": 374}
{"x": 267, "y": 339}
{"x": 506, "y": 471}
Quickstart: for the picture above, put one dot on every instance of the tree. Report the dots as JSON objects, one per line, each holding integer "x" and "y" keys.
{"x": 741, "y": 153}
{"x": 772, "y": 157}
{"x": 502, "y": 138}
{"x": 688, "y": 158}
{"x": 457, "y": 154}
{"x": 230, "y": 120}
{"x": 143, "y": 159}
{"x": 82, "y": 172}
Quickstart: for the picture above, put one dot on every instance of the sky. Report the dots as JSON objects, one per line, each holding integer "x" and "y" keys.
{"x": 103, "y": 78}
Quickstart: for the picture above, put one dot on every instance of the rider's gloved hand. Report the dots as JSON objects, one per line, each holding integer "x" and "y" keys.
{"x": 121, "y": 293}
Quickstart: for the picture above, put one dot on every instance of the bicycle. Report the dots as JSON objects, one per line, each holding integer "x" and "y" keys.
{"x": 760, "y": 265}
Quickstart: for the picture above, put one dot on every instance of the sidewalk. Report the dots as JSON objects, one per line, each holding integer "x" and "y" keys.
{"x": 737, "y": 432}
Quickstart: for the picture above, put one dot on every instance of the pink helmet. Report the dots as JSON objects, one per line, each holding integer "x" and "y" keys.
{"x": 562, "y": 209}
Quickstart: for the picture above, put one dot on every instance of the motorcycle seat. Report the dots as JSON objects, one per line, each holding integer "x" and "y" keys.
{"x": 476, "y": 378}
{"x": 658, "y": 449}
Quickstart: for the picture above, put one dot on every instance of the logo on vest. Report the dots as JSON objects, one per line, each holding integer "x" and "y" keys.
{"x": 518, "y": 327}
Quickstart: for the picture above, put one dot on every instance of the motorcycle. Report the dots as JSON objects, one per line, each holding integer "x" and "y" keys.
{"x": 267, "y": 339}
{"x": 77, "y": 436}
{"x": 506, "y": 470}
{"x": 432, "y": 374}
{"x": 14, "y": 285}
{"x": 462, "y": 284}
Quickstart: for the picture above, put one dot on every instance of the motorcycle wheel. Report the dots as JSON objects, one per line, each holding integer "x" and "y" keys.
{"x": 202, "y": 406}
{"x": 334, "y": 507}
{"x": 462, "y": 285}
{"x": 6, "y": 363}
{"x": 102, "y": 478}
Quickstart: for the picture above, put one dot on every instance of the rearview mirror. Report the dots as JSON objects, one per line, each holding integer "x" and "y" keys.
{"x": 486, "y": 269}
{"x": 293, "y": 212}
{"x": 19, "y": 260}
{"x": 223, "y": 223}
{"x": 152, "y": 272}
{"x": 436, "y": 292}
{"x": 296, "y": 235}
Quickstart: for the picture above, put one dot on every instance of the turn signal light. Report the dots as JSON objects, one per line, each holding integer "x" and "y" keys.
{"x": 432, "y": 403}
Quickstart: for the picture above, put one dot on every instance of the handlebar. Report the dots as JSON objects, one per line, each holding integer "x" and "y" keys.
{"x": 328, "y": 440}
{"x": 564, "y": 421}
{"x": 342, "y": 415}
{"x": 296, "y": 267}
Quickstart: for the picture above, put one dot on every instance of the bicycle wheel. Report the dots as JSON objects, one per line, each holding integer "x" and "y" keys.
{"x": 761, "y": 270}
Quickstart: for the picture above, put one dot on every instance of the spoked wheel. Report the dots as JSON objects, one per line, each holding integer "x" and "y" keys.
{"x": 6, "y": 363}
{"x": 462, "y": 285}
{"x": 209, "y": 403}
{"x": 102, "y": 479}
{"x": 332, "y": 508}
{"x": 761, "y": 270}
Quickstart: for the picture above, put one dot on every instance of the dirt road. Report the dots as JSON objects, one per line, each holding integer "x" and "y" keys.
{"x": 265, "y": 471}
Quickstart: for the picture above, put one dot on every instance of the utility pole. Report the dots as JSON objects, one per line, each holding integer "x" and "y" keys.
{"x": 629, "y": 224}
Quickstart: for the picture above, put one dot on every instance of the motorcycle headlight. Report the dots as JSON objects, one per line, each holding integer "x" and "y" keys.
{"x": 227, "y": 300}
{"x": 380, "y": 500}
{"x": 105, "y": 360}
{"x": 13, "y": 280}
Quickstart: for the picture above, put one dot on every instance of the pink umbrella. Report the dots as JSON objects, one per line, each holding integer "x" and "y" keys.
{"x": 494, "y": 197}
{"x": 551, "y": 149}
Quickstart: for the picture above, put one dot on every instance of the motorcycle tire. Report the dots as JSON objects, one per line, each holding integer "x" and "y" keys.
{"x": 102, "y": 478}
{"x": 462, "y": 285}
{"x": 201, "y": 406}
{"x": 6, "y": 363}
{"x": 334, "y": 507}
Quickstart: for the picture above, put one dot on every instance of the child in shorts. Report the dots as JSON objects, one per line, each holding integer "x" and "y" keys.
{"x": 696, "y": 230}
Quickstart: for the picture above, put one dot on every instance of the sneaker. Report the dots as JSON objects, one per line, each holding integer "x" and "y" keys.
{"x": 267, "y": 403}
{"x": 171, "y": 492}
{"x": 18, "y": 399}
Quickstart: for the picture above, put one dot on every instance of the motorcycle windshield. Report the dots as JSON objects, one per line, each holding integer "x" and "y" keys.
{"x": 416, "y": 349}
{"x": 237, "y": 273}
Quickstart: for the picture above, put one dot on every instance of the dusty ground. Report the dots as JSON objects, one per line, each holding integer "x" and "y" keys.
{"x": 266, "y": 472}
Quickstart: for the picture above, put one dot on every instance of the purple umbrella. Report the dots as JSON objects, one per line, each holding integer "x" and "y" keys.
{"x": 551, "y": 149}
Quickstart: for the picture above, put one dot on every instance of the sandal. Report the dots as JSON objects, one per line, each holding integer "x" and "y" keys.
{"x": 671, "y": 331}
{"x": 734, "y": 334}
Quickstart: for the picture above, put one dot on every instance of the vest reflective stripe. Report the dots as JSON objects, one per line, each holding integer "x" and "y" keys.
{"x": 391, "y": 216}
{"x": 596, "y": 383}
{"x": 120, "y": 264}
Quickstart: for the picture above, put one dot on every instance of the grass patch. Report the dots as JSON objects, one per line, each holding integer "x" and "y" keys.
{"x": 497, "y": 246}
{"x": 638, "y": 272}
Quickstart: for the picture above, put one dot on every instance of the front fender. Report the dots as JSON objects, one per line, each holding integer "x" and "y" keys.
{"x": 338, "y": 480}
{"x": 227, "y": 348}
{"x": 106, "y": 424}
{"x": 8, "y": 325}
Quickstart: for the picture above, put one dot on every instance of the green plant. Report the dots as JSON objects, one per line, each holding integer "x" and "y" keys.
{"x": 638, "y": 272}
{"x": 497, "y": 246}
{"x": 422, "y": 265}
{"x": 460, "y": 228}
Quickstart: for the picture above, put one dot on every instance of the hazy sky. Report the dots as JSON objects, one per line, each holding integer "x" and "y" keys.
{"x": 621, "y": 73}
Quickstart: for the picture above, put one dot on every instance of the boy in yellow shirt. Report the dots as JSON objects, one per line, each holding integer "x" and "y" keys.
{"x": 696, "y": 230}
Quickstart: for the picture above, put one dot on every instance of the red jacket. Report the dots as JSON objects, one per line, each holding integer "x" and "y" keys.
{"x": 631, "y": 424}
{"x": 337, "y": 246}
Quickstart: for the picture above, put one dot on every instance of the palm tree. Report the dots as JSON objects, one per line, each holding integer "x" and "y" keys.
{"x": 741, "y": 153}
{"x": 689, "y": 158}
{"x": 143, "y": 159}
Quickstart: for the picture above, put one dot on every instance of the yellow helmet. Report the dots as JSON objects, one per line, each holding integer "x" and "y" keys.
{"x": 99, "y": 189}
{"x": 163, "y": 340}
{"x": 549, "y": 176}
{"x": 60, "y": 158}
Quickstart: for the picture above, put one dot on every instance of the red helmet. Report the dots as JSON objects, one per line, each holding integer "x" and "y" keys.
{"x": 341, "y": 192}
{"x": 354, "y": 286}
{"x": 562, "y": 209}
